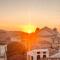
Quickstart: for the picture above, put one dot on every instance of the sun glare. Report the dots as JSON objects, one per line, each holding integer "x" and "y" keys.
{"x": 28, "y": 28}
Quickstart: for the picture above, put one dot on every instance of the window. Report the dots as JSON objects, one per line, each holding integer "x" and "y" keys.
{"x": 44, "y": 52}
{"x": 31, "y": 57}
{"x": 44, "y": 56}
{"x": 38, "y": 52}
{"x": 38, "y": 57}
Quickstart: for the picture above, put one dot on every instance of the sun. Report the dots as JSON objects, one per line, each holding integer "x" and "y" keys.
{"x": 28, "y": 28}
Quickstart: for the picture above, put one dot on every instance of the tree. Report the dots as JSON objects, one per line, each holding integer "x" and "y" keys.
{"x": 16, "y": 51}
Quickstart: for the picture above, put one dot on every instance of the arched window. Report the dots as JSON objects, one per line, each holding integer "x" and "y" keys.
{"x": 44, "y": 56}
{"x": 38, "y": 57}
{"x": 31, "y": 57}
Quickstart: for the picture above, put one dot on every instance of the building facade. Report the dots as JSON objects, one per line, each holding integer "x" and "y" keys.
{"x": 37, "y": 54}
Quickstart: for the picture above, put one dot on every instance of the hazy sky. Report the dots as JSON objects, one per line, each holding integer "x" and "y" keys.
{"x": 14, "y": 13}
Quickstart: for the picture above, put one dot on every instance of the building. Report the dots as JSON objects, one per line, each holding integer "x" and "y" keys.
{"x": 3, "y": 50}
{"x": 4, "y": 39}
{"x": 48, "y": 42}
{"x": 37, "y": 54}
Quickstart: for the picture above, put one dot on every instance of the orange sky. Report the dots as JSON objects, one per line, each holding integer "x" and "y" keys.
{"x": 39, "y": 13}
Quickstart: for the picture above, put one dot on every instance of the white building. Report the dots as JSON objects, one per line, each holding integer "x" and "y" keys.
{"x": 37, "y": 54}
{"x": 3, "y": 50}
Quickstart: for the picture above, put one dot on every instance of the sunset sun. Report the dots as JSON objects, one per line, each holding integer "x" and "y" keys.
{"x": 28, "y": 28}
